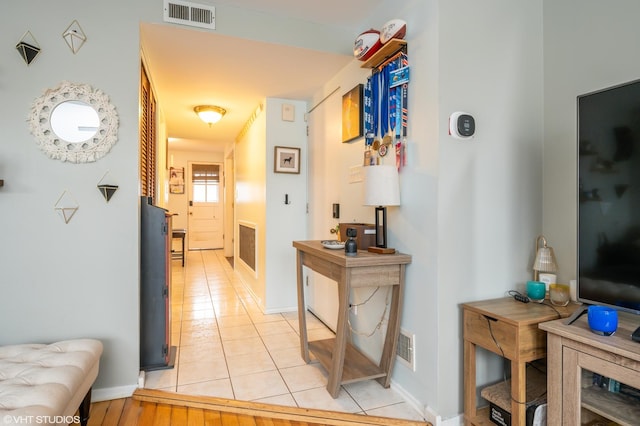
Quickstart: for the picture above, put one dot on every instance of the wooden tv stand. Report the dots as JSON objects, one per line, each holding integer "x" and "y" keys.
{"x": 573, "y": 353}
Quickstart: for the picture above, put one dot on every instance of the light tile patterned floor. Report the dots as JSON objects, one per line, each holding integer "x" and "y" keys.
{"x": 228, "y": 348}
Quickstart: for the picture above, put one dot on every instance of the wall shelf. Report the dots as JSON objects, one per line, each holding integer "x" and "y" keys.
{"x": 386, "y": 52}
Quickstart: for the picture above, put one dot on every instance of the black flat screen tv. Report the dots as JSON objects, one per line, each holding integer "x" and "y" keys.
{"x": 609, "y": 197}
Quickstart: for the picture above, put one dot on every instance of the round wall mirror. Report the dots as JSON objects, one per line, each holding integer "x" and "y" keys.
{"x": 75, "y": 123}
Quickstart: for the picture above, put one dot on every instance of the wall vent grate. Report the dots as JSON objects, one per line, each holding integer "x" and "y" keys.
{"x": 191, "y": 14}
{"x": 405, "y": 349}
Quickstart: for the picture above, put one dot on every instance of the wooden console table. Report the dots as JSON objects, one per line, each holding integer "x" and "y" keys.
{"x": 510, "y": 329}
{"x": 574, "y": 349}
{"x": 344, "y": 362}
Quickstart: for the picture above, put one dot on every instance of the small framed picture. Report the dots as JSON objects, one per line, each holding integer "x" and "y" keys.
{"x": 352, "y": 124}
{"x": 286, "y": 160}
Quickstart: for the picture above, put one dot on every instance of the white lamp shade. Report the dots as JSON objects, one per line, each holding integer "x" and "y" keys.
{"x": 381, "y": 186}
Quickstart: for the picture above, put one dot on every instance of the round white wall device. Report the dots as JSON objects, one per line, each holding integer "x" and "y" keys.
{"x": 462, "y": 125}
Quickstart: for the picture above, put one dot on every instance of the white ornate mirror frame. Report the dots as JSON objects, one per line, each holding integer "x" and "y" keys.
{"x": 99, "y": 140}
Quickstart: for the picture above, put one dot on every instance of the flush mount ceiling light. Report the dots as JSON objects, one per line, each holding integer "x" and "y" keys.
{"x": 210, "y": 114}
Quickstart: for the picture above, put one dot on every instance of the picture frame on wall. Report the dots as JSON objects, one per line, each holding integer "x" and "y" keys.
{"x": 352, "y": 112}
{"x": 176, "y": 180}
{"x": 286, "y": 160}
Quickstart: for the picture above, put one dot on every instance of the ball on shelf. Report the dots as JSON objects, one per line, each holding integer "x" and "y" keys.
{"x": 367, "y": 44}
{"x": 395, "y": 28}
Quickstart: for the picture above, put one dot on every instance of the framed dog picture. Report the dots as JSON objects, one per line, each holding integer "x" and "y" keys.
{"x": 286, "y": 160}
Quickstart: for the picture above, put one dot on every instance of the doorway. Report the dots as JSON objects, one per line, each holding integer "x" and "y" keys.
{"x": 205, "y": 210}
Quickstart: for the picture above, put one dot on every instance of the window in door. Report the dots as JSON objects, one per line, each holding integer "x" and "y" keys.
{"x": 206, "y": 183}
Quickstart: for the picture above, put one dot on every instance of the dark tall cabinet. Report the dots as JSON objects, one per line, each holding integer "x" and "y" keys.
{"x": 156, "y": 351}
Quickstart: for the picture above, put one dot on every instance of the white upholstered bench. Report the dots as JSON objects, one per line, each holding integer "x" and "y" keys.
{"x": 48, "y": 384}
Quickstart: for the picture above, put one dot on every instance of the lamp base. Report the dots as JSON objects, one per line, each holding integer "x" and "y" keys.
{"x": 381, "y": 250}
{"x": 381, "y": 227}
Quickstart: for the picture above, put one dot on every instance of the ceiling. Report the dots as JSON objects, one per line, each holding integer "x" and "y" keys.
{"x": 190, "y": 66}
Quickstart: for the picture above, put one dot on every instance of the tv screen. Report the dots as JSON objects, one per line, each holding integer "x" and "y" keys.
{"x": 609, "y": 197}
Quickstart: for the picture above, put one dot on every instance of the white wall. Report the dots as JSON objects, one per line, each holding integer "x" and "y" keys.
{"x": 251, "y": 196}
{"x": 489, "y": 191}
{"x": 260, "y": 197}
{"x": 594, "y": 52}
{"x": 285, "y": 222}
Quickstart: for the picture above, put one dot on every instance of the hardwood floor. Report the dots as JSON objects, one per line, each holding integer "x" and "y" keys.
{"x": 152, "y": 407}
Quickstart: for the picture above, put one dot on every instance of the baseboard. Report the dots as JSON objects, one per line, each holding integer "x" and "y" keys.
{"x": 409, "y": 399}
{"x": 452, "y": 421}
{"x": 425, "y": 411}
{"x": 107, "y": 394}
{"x": 258, "y": 301}
{"x": 281, "y": 310}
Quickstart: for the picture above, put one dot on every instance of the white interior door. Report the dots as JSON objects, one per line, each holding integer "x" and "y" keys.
{"x": 205, "y": 206}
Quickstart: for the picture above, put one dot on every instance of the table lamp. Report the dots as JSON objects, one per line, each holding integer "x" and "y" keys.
{"x": 381, "y": 189}
{"x": 545, "y": 258}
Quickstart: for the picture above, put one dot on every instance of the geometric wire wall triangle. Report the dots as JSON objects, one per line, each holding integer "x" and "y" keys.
{"x": 67, "y": 213}
{"x": 107, "y": 191}
{"x": 66, "y": 206}
{"x": 621, "y": 189}
{"x": 28, "y": 47}
{"x": 74, "y": 36}
{"x": 604, "y": 207}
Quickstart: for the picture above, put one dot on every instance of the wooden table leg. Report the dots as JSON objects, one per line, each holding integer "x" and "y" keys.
{"x": 469, "y": 382}
{"x": 393, "y": 330}
{"x": 518, "y": 392}
{"x": 302, "y": 310}
{"x": 342, "y": 331}
{"x": 554, "y": 379}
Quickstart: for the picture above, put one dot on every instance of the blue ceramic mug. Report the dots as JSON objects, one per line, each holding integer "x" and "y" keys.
{"x": 602, "y": 320}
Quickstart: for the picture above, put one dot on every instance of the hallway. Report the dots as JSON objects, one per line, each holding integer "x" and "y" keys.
{"x": 228, "y": 348}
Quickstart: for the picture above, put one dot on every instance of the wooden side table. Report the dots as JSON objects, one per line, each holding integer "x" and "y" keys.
{"x": 344, "y": 362}
{"x": 507, "y": 328}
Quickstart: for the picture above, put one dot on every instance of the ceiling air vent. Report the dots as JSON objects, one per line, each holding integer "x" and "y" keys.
{"x": 192, "y": 14}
